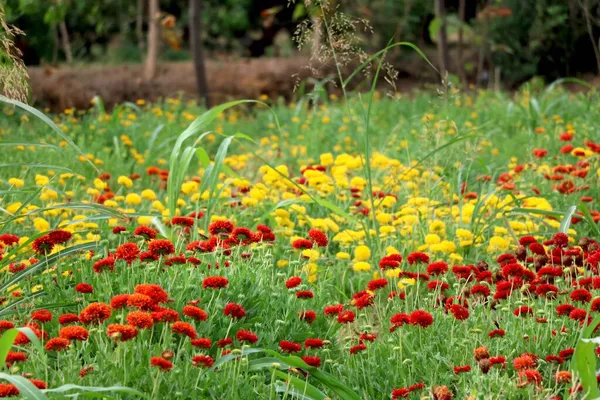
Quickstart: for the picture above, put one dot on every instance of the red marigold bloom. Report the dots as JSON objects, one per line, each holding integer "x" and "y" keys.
{"x": 358, "y": 348}
{"x": 234, "y": 310}
{"x": 301, "y": 244}
{"x": 183, "y": 328}
{"x": 221, "y": 228}
{"x": 539, "y": 153}
{"x": 530, "y": 376}
{"x": 84, "y": 288}
{"x": 304, "y": 294}
{"x": 246, "y": 336}
{"x": 313, "y": 361}
{"x": 564, "y": 309}
{"x": 60, "y": 236}
{"x": 119, "y": 301}
{"x": 161, "y": 247}
{"x": 560, "y": 240}
{"x": 140, "y": 319}
{"x": 462, "y": 368}
{"x": 346, "y": 317}
{"x": 265, "y": 233}
{"x": 122, "y": 333}
{"x": 367, "y": 336}
{"x": 65, "y": 319}
{"x": 421, "y": 318}
{"x": 460, "y": 312}
{"x": 524, "y": 361}
{"x": 202, "y": 360}
{"x": 224, "y": 342}
{"x": 523, "y": 311}
{"x": 182, "y": 221}
{"x": 417, "y": 258}
{"x": 390, "y": 262}
{"x": 318, "y": 237}
{"x": 293, "y": 282}
{"x": 434, "y": 285}
{"x": 290, "y": 347}
{"x": 203, "y": 343}
{"x": 551, "y": 358}
{"x": 161, "y": 363}
{"x": 401, "y": 393}
{"x": 195, "y": 312}
{"x": 578, "y": 315}
{"x": 146, "y": 232}
{"x": 118, "y": 229}
{"x": 537, "y": 248}
{"x": 399, "y": 319}
{"x": 107, "y": 263}
{"x": 581, "y": 295}
{"x": 377, "y": 284}
{"x": 41, "y": 315}
{"x": 9, "y": 239}
{"x": 14, "y": 357}
{"x": 57, "y": 344}
{"x": 95, "y": 313}
{"x": 165, "y": 315}
{"x": 156, "y": 293}
{"x": 566, "y": 353}
{"x": 8, "y": 390}
{"x": 128, "y": 252}
{"x": 563, "y": 377}
{"x": 6, "y": 325}
{"x": 313, "y": 343}
{"x": 241, "y": 235}
{"x": 74, "y": 333}
{"x": 308, "y": 316}
{"x": 498, "y": 360}
{"x": 437, "y": 268}
{"x": 333, "y": 310}
{"x": 43, "y": 245}
{"x": 497, "y": 332}
{"x": 565, "y": 137}
{"x": 215, "y": 282}
{"x": 481, "y": 290}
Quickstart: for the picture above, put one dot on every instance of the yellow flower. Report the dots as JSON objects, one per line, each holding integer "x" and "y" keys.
{"x": 133, "y": 199}
{"x": 342, "y": 255}
{"x": 362, "y": 253}
{"x": 361, "y": 266}
{"x": 41, "y": 180}
{"x": 100, "y": 184}
{"x": 498, "y": 244}
{"x": 145, "y": 220}
{"x": 148, "y": 194}
{"x": 16, "y": 182}
{"x": 125, "y": 181}
{"x": 41, "y": 224}
{"x": 282, "y": 263}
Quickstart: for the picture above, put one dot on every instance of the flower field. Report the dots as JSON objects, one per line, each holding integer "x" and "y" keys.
{"x": 419, "y": 247}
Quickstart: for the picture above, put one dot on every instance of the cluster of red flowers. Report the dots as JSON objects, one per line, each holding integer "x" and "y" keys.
{"x": 45, "y": 244}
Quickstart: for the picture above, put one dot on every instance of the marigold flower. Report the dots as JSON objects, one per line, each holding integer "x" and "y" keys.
{"x": 581, "y": 295}
{"x": 215, "y": 282}
{"x": 95, "y": 313}
{"x": 121, "y": 333}
{"x": 161, "y": 247}
{"x": 524, "y": 362}
{"x": 203, "y": 360}
{"x": 346, "y": 317}
{"x": 421, "y": 318}
{"x": 195, "y": 312}
{"x": 65, "y": 319}
{"x": 84, "y": 288}
{"x": 308, "y": 316}
{"x": 203, "y": 343}
{"x": 313, "y": 343}
{"x": 246, "y": 336}
{"x": 43, "y": 245}
{"x": 156, "y": 293}
{"x": 74, "y": 332}
{"x": 128, "y": 252}
{"x": 140, "y": 319}
{"x": 146, "y": 232}
{"x": 41, "y": 316}
{"x": 437, "y": 268}
{"x": 460, "y": 312}
{"x": 161, "y": 363}
{"x": 293, "y": 282}
{"x": 313, "y": 361}
{"x": 318, "y": 237}
{"x": 289, "y": 347}
{"x": 60, "y": 236}
{"x": 57, "y": 344}
{"x": 221, "y": 228}
{"x": 183, "y": 328}
{"x": 417, "y": 258}
{"x": 530, "y": 376}
{"x": 304, "y": 294}
{"x": 462, "y": 368}
{"x": 377, "y": 284}
{"x": 562, "y": 377}
{"x": 333, "y": 309}
{"x": 104, "y": 264}
{"x": 234, "y": 310}
{"x": 301, "y": 244}
{"x": 358, "y": 348}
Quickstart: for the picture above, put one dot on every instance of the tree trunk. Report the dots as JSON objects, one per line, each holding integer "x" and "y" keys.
{"x": 139, "y": 24}
{"x": 440, "y": 10}
{"x": 197, "y": 50}
{"x": 152, "y": 53}
{"x": 66, "y": 44}
{"x": 462, "y": 6}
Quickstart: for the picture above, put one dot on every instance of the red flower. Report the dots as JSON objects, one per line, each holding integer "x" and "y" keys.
{"x": 246, "y": 336}
{"x": 57, "y": 344}
{"x": 460, "y": 312}
{"x": 581, "y": 295}
{"x": 401, "y": 393}
{"x": 313, "y": 343}
{"x": 161, "y": 247}
{"x": 41, "y": 316}
{"x": 182, "y": 221}
{"x": 14, "y": 357}
{"x": 358, "y": 348}
{"x": 399, "y": 319}
{"x": 318, "y": 237}
{"x": 128, "y": 252}
{"x": 43, "y": 245}
{"x": 290, "y": 347}
{"x": 305, "y": 294}
{"x": 84, "y": 288}
{"x": 6, "y": 325}
{"x": 203, "y": 343}
{"x": 107, "y": 263}
{"x": 118, "y": 229}
{"x": 195, "y": 312}
{"x": 74, "y": 333}
{"x": 301, "y": 244}
{"x": 421, "y": 318}
{"x": 293, "y": 282}
{"x": 95, "y": 313}
{"x": 437, "y": 268}
{"x": 333, "y": 310}
{"x": 220, "y": 227}
{"x": 224, "y": 342}
{"x": 9, "y": 239}
{"x": 146, "y": 232}
{"x": 566, "y": 353}
{"x": 161, "y": 363}
{"x": 377, "y": 284}
{"x": 390, "y": 262}
{"x": 183, "y": 328}
{"x": 308, "y": 316}
{"x": 578, "y": 314}
{"x": 234, "y": 310}
{"x": 462, "y": 368}
{"x": 313, "y": 361}
{"x": 497, "y": 332}
{"x": 417, "y": 258}
{"x": 140, "y": 319}
{"x": 530, "y": 376}
{"x": 563, "y": 377}
{"x": 65, "y": 319}
{"x": 434, "y": 285}
{"x": 243, "y": 236}
{"x": 215, "y": 282}
{"x": 156, "y": 293}
{"x": 121, "y": 333}
{"x": 265, "y": 233}
{"x": 346, "y": 317}
{"x": 539, "y": 153}
{"x": 8, "y": 390}
{"x": 564, "y": 309}
{"x": 203, "y": 360}
{"x": 523, "y": 311}
{"x": 59, "y": 236}
{"x": 165, "y": 315}
{"x": 524, "y": 361}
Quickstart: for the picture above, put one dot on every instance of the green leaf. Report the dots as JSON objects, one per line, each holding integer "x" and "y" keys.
{"x": 566, "y": 221}
{"x": 584, "y": 361}
{"x": 27, "y": 390}
{"x": 588, "y": 217}
{"x": 6, "y": 341}
{"x": 95, "y": 389}
{"x": 303, "y": 386}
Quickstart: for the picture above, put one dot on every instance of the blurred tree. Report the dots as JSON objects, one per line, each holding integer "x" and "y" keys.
{"x": 197, "y": 49}
{"x": 152, "y": 53}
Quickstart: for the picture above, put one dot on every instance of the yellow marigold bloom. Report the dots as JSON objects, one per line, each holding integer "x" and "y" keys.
{"x": 465, "y": 237}
{"x": 16, "y": 182}
{"x": 393, "y": 273}
{"x": 145, "y": 220}
{"x": 361, "y": 266}
{"x": 498, "y": 244}
{"x": 432, "y": 238}
{"x": 362, "y": 253}
{"x": 111, "y": 203}
{"x": 148, "y": 194}
{"x": 48, "y": 194}
{"x": 41, "y": 180}
{"x": 156, "y": 204}
{"x": 249, "y": 201}
{"x": 282, "y": 263}
{"x": 326, "y": 159}
{"x": 437, "y": 226}
{"x": 133, "y": 199}
{"x": 41, "y": 224}
{"x": 189, "y": 187}
{"x": 311, "y": 254}
{"x": 100, "y": 184}
{"x": 342, "y": 255}
{"x": 125, "y": 181}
